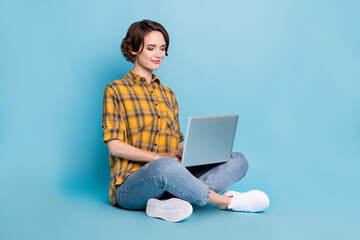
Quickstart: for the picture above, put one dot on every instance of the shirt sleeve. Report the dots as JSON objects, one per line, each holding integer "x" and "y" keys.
{"x": 179, "y": 134}
{"x": 113, "y": 124}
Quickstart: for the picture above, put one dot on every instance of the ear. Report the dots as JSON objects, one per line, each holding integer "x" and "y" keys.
{"x": 133, "y": 53}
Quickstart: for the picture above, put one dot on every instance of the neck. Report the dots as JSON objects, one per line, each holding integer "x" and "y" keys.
{"x": 144, "y": 73}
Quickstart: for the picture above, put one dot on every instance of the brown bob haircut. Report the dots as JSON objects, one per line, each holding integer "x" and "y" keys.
{"x": 134, "y": 39}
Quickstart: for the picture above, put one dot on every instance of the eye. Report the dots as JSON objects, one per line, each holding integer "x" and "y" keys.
{"x": 150, "y": 49}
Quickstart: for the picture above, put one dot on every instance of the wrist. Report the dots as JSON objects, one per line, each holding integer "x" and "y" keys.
{"x": 155, "y": 156}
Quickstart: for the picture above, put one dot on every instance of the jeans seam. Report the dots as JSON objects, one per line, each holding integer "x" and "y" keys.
{"x": 144, "y": 180}
{"x": 207, "y": 198}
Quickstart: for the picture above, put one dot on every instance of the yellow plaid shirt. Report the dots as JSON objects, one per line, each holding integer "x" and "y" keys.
{"x": 143, "y": 115}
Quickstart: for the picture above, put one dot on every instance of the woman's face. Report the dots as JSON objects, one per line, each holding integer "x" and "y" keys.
{"x": 153, "y": 53}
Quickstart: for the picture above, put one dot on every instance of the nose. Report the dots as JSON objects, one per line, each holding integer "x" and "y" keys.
{"x": 158, "y": 53}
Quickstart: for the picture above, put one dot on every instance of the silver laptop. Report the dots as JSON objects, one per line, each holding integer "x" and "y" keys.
{"x": 209, "y": 140}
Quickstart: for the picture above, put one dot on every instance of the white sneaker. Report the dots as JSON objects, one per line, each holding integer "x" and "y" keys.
{"x": 252, "y": 201}
{"x": 171, "y": 210}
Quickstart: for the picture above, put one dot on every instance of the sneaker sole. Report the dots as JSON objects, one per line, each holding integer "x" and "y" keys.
{"x": 171, "y": 210}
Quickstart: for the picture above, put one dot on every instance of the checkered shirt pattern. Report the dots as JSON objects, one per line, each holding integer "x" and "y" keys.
{"x": 143, "y": 115}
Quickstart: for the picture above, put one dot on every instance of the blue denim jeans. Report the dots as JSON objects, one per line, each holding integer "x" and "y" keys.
{"x": 166, "y": 175}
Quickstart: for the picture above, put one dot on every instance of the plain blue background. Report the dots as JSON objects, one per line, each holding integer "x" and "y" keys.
{"x": 290, "y": 69}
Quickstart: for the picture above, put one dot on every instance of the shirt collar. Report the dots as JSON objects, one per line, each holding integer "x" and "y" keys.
{"x": 136, "y": 77}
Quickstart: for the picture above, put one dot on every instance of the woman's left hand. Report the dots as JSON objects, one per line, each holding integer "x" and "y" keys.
{"x": 176, "y": 153}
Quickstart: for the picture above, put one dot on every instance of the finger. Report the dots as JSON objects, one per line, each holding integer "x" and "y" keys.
{"x": 176, "y": 157}
{"x": 177, "y": 152}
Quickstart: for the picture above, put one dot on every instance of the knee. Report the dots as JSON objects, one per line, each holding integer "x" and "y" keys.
{"x": 163, "y": 166}
{"x": 240, "y": 163}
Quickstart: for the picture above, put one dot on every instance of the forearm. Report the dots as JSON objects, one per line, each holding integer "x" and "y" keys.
{"x": 124, "y": 150}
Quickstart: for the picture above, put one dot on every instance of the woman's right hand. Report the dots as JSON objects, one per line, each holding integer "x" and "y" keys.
{"x": 176, "y": 153}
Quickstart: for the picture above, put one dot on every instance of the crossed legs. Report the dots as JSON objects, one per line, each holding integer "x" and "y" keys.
{"x": 198, "y": 185}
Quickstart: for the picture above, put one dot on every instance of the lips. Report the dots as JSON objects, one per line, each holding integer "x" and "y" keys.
{"x": 156, "y": 61}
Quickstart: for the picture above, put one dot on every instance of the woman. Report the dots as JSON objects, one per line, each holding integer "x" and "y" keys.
{"x": 142, "y": 131}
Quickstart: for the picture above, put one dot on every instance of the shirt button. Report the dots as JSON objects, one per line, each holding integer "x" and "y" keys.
{"x": 157, "y": 131}
{"x": 156, "y": 104}
{"x": 158, "y": 116}
{"x": 152, "y": 91}
{"x": 155, "y": 144}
